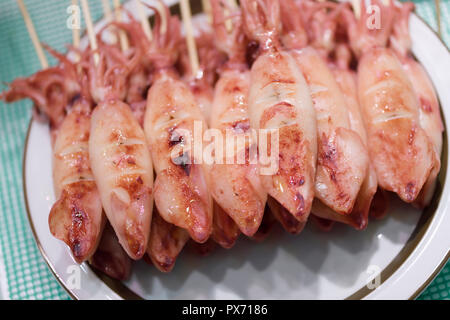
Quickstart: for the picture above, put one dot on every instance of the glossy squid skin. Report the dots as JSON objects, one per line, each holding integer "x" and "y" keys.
{"x": 380, "y": 204}
{"x": 77, "y": 216}
{"x": 430, "y": 120}
{"x": 236, "y": 186}
{"x": 287, "y": 221}
{"x": 225, "y": 230}
{"x": 347, "y": 82}
{"x": 342, "y": 159}
{"x": 358, "y": 217}
{"x": 399, "y": 148}
{"x": 165, "y": 243}
{"x": 181, "y": 193}
{"x": 110, "y": 258}
{"x": 429, "y": 112}
{"x": 122, "y": 167}
{"x": 237, "y": 206}
{"x": 279, "y": 99}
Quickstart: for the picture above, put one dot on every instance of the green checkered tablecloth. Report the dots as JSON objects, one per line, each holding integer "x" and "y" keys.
{"x": 23, "y": 272}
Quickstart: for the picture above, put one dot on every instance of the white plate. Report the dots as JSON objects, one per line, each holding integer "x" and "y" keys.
{"x": 393, "y": 258}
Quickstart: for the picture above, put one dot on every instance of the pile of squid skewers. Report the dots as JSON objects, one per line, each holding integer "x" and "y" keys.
{"x": 357, "y": 118}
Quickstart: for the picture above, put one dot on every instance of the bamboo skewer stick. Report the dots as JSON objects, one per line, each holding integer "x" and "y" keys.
{"x": 162, "y": 12}
{"x": 122, "y": 35}
{"x": 356, "y": 8}
{"x": 190, "y": 41}
{"x": 107, "y": 12}
{"x": 76, "y": 41}
{"x": 90, "y": 29}
{"x": 438, "y": 17}
{"x": 144, "y": 21}
{"x": 75, "y": 31}
{"x": 206, "y": 6}
{"x": 228, "y": 23}
{"x": 33, "y": 34}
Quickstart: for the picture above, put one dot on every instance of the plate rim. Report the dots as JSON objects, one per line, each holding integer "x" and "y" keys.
{"x": 125, "y": 292}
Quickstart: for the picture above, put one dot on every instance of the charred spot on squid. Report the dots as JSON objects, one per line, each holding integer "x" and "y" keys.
{"x": 77, "y": 230}
{"x": 74, "y": 99}
{"x": 329, "y": 153}
{"x": 77, "y": 249}
{"x": 241, "y": 126}
{"x": 166, "y": 264}
{"x": 301, "y": 203}
{"x": 175, "y": 137}
{"x": 183, "y": 161}
{"x": 410, "y": 190}
{"x": 295, "y": 180}
{"x": 328, "y": 157}
{"x": 135, "y": 239}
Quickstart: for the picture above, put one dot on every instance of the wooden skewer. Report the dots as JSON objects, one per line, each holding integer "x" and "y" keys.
{"x": 228, "y": 23}
{"x": 356, "y": 8}
{"x": 107, "y": 12}
{"x": 76, "y": 41}
{"x": 206, "y": 6}
{"x": 190, "y": 41}
{"x": 75, "y": 31}
{"x": 90, "y": 29}
{"x": 438, "y": 16}
{"x": 162, "y": 13}
{"x": 122, "y": 35}
{"x": 144, "y": 21}
{"x": 33, "y": 35}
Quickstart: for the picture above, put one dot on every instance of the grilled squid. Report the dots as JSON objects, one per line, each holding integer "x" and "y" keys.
{"x": 400, "y": 149}
{"x": 119, "y": 155}
{"x": 429, "y": 113}
{"x": 181, "y": 193}
{"x": 279, "y": 100}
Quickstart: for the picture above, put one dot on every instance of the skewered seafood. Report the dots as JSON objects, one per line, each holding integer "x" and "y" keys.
{"x": 344, "y": 138}
{"x": 279, "y": 99}
{"x": 400, "y": 149}
{"x": 429, "y": 113}
{"x": 180, "y": 186}
{"x": 346, "y": 79}
{"x": 110, "y": 258}
{"x": 165, "y": 243}
{"x": 77, "y": 216}
{"x": 119, "y": 156}
{"x": 342, "y": 159}
{"x": 236, "y": 187}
